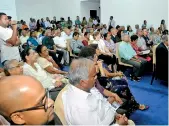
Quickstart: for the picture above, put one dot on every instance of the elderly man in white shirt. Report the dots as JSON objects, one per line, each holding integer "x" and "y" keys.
{"x": 83, "y": 103}
{"x": 61, "y": 42}
{"x": 8, "y": 39}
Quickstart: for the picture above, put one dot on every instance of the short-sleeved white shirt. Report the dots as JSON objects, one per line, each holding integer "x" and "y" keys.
{"x": 7, "y": 52}
{"x": 60, "y": 41}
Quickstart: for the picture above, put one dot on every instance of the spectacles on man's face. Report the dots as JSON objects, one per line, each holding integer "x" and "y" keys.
{"x": 43, "y": 104}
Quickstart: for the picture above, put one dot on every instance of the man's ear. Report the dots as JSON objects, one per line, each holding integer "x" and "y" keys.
{"x": 84, "y": 83}
{"x": 18, "y": 118}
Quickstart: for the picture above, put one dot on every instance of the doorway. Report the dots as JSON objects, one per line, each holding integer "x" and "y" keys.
{"x": 93, "y": 13}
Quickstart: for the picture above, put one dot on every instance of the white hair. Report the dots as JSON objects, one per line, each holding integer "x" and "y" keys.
{"x": 80, "y": 70}
{"x": 164, "y": 38}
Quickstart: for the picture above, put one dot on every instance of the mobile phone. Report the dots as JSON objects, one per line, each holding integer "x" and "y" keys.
{"x": 116, "y": 105}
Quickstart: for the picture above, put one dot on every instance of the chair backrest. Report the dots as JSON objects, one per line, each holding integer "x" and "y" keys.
{"x": 69, "y": 49}
{"x": 59, "y": 108}
{"x": 117, "y": 52}
{"x": 119, "y": 58}
{"x": 154, "y": 54}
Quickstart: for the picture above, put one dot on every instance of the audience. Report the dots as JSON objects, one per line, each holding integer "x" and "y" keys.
{"x": 109, "y": 43}
{"x": 141, "y": 42}
{"x": 77, "y": 21}
{"x": 162, "y": 59}
{"x": 16, "y": 91}
{"x": 49, "y": 43}
{"x": 76, "y": 45}
{"x": 24, "y": 37}
{"x": 69, "y": 22}
{"x": 163, "y": 25}
{"x": 90, "y": 100}
{"x": 32, "y": 41}
{"x": 84, "y": 21}
{"x": 148, "y": 41}
{"x": 86, "y": 39}
{"x": 111, "y": 23}
{"x": 113, "y": 34}
{"x": 95, "y": 77}
{"x": 46, "y": 61}
{"x": 129, "y": 56}
{"x": 61, "y": 44}
{"x": 8, "y": 39}
{"x": 105, "y": 54}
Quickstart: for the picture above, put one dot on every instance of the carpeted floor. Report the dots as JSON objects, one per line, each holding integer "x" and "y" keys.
{"x": 155, "y": 96}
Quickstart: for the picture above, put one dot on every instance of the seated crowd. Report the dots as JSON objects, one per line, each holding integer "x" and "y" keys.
{"x": 93, "y": 91}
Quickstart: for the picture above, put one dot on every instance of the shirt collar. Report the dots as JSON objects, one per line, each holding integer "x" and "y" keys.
{"x": 79, "y": 92}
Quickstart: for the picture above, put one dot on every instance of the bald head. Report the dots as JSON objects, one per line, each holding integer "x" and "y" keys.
{"x": 17, "y": 92}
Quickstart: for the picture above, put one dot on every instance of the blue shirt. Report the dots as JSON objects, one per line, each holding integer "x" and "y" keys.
{"x": 32, "y": 41}
{"x": 126, "y": 51}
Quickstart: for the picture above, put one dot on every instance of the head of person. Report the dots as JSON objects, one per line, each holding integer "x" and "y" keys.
{"x": 42, "y": 20}
{"x": 134, "y": 39}
{"x": 29, "y": 56}
{"x": 157, "y": 32}
{"x": 84, "y": 18}
{"x": 83, "y": 74}
{"x": 68, "y": 18}
{"x": 97, "y": 36}
{"x": 136, "y": 26}
{"x": 87, "y": 35}
{"x": 145, "y": 32}
{"x": 31, "y": 19}
{"x": 88, "y": 51}
{"x": 33, "y": 34}
{"x": 129, "y": 28}
{"x": 107, "y": 37}
{"x": 111, "y": 17}
{"x": 152, "y": 29}
{"x": 118, "y": 27}
{"x": 48, "y": 33}
{"x": 113, "y": 31}
{"x": 77, "y": 17}
{"x": 165, "y": 32}
{"x": 13, "y": 67}
{"x": 105, "y": 26}
{"x": 126, "y": 38}
{"x": 24, "y": 101}
{"x": 75, "y": 35}
{"x": 9, "y": 18}
{"x": 139, "y": 32}
{"x": 163, "y": 21}
{"x": 47, "y": 18}
{"x": 42, "y": 51}
{"x": 145, "y": 22}
{"x": 164, "y": 39}
{"x": 68, "y": 31}
{"x": 25, "y": 32}
{"x": 4, "y": 22}
{"x": 54, "y": 18}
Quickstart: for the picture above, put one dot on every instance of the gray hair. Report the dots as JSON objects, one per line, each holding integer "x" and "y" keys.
{"x": 79, "y": 70}
{"x": 9, "y": 64}
{"x": 164, "y": 38}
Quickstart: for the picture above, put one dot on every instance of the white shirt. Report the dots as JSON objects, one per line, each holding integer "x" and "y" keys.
{"x": 101, "y": 45}
{"x": 40, "y": 74}
{"x": 65, "y": 36}
{"x": 24, "y": 39}
{"x": 95, "y": 22}
{"x": 60, "y": 41}
{"x": 47, "y": 24}
{"x": 112, "y": 23}
{"x": 83, "y": 108}
{"x": 141, "y": 43}
{"x": 7, "y": 52}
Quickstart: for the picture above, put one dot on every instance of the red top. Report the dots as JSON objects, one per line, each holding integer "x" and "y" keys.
{"x": 85, "y": 42}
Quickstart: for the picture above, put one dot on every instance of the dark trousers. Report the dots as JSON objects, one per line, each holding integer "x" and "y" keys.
{"x": 138, "y": 67}
{"x": 109, "y": 60}
{"x": 57, "y": 59}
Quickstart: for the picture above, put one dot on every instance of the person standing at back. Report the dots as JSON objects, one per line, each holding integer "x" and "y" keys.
{"x": 8, "y": 39}
{"x": 77, "y": 21}
{"x": 111, "y": 22}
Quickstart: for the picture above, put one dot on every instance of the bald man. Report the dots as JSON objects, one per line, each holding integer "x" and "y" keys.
{"x": 25, "y": 101}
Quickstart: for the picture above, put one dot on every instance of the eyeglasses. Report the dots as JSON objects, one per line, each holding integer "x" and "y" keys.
{"x": 42, "y": 104}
